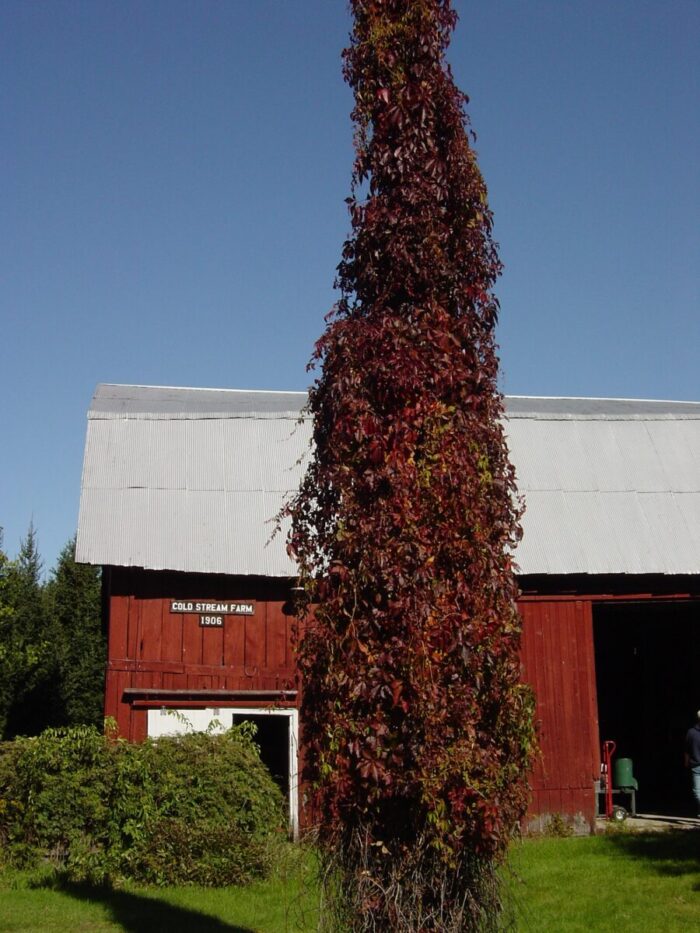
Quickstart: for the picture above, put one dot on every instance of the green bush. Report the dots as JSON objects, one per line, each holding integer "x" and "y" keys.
{"x": 193, "y": 809}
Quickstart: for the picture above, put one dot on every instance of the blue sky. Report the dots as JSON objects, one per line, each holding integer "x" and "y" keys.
{"x": 172, "y": 212}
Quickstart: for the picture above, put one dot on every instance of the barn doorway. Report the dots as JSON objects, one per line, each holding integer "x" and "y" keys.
{"x": 271, "y": 737}
{"x": 646, "y": 657}
{"x": 278, "y": 739}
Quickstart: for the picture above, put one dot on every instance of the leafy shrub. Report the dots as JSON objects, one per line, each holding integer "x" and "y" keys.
{"x": 56, "y": 788}
{"x": 559, "y": 826}
{"x": 192, "y": 809}
{"x": 206, "y": 852}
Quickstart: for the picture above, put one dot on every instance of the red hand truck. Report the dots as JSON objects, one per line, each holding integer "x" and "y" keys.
{"x": 611, "y": 812}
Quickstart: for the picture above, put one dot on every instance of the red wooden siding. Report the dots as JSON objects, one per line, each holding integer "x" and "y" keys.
{"x": 151, "y": 648}
{"x": 558, "y": 661}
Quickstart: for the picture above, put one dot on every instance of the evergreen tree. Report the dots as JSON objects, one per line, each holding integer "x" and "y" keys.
{"x": 73, "y": 602}
{"x": 419, "y": 734}
{"x": 24, "y": 584}
{"x": 10, "y": 652}
{"x": 30, "y": 696}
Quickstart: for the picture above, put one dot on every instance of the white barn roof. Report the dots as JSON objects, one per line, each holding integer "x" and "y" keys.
{"x": 192, "y": 479}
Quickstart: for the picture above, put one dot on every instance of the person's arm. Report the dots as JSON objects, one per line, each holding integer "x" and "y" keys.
{"x": 686, "y": 759}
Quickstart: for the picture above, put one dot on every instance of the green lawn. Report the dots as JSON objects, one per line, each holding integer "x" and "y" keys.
{"x": 36, "y": 902}
{"x": 646, "y": 882}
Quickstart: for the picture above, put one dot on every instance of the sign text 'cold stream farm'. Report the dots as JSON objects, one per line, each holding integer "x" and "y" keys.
{"x": 211, "y": 613}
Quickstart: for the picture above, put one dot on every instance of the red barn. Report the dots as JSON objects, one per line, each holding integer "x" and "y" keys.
{"x": 179, "y": 496}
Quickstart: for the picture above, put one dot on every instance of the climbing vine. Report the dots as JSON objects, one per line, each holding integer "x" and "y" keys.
{"x": 418, "y": 731}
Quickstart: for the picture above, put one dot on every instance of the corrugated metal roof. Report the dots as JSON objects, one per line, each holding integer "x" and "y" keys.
{"x": 612, "y": 409}
{"x": 192, "y": 479}
{"x": 171, "y": 401}
{"x": 609, "y": 488}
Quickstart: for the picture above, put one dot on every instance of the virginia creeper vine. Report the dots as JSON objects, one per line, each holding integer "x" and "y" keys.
{"x": 417, "y": 729}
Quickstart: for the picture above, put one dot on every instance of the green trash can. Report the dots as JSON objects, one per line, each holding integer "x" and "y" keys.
{"x": 623, "y": 779}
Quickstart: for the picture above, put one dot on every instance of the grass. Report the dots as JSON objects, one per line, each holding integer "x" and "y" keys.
{"x": 39, "y": 901}
{"x": 645, "y": 882}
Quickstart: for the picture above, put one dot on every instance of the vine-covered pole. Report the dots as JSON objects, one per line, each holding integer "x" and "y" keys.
{"x": 417, "y": 729}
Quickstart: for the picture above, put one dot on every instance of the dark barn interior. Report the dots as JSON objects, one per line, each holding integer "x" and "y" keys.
{"x": 646, "y": 657}
{"x": 272, "y": 738}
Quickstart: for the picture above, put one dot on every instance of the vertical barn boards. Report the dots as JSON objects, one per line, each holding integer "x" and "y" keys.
{"x": 558, "y": 654}
{"x": 558, "y": 662}
{"x": 159, "y": 658}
